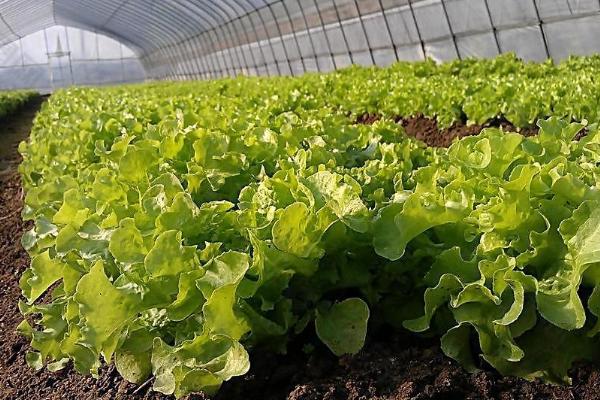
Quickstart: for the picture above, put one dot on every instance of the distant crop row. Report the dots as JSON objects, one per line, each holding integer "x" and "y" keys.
{"x": 10, "y": 101}
{"x": 179, "y": 225}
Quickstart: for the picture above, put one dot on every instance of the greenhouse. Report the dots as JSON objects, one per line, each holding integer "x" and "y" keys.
{"x": 49, "y": 44}
{"x": 300, "y": 199}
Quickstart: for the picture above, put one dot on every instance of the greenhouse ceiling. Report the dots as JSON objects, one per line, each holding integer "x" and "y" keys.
{"x": 202, "y": 39}
{"x": 143, "y": 25}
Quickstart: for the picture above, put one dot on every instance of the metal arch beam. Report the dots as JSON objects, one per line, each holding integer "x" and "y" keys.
{"x": 13, "y": 12}
{"x": 135, "y": 47}
{"x": 223, "y": 17}
{"x": 234, "y": 36}
{"x": 181, "y": 17}
{"x": 248, "y": 18}
{"x": 218, "y": 13}
{"x": 112, "y": 14}
{"x": 235, "y": 41}
{"x": 24, "y": 17}
{"x": 191, "y": 49}
{"x": 143, "y": 38}
{"x": 226, "y": 19}
{"x": 212, "y": 19}
{"x": 147, "y": 30}
{"x": 20, "y": 15}
{"x": 159, "y": 25}
{"x": 74, "y": 17}
{"x": 9, "y": 27}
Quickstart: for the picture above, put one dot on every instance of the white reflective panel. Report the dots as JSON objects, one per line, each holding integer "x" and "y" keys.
{"x": 291, "y": 47}
{"x": 511, "y": 12}
{"x": 267, "y": 51}
{"x": 57, "y": 39}
{"x": 108, "y": 49}
{"x": 468, "y": 15}
{"x": 442, "y": 50}
{"x": 75, "y": 58}
{"x": 325, "y": 63}
{"x": 410, "y": 53}
{"x": 477, "y": 46}
{"x": 558, "y": 8}
{"x": 83, "y": 44}
{"x": 279, "y": 51}
{"x": 402, "y": 26}
{"x": 305, "y": 44}
{"x": 342, "y": 60}
{"x": 127, "y": 52}
{"x": 431, "y": 20}
{"x": 10, "y": 54}
{"x": 527, "y": 43}
{"x": 337, "y": 39}
{"x": 320, "y": 42}
{"x": 250, "y": 56}
{"x": 258, "y": 55}
{"x": 311, "y": 64}
{"x": 362, "y": 58}
{"x": 384, "y": 57}
{"x": 355, "y": 35}
{"x": 34, "y": 48}
{"x": 284, "y": 68}
{"x": 573, "y": 37}
{"x": 377, "y": 31}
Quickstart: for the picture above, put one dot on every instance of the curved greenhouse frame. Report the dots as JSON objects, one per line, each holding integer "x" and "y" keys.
{"x": 206, "y": 39}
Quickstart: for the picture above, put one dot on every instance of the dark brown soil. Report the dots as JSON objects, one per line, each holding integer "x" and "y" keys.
{"x": 426, "y": 129}
{"x": 395, "y": 367}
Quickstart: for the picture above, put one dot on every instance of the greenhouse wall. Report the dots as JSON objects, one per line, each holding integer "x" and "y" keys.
{"x": 117, "y": 41}
{"x": 61, "y": 56}
{"x": 292, "y": 37}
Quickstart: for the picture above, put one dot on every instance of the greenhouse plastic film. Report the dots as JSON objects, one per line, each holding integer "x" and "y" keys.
{"x": 201, "y": 39}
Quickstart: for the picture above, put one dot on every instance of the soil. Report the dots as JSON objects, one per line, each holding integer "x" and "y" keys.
{"x": 426, "y": 129}
{"x": 399, "y": 367}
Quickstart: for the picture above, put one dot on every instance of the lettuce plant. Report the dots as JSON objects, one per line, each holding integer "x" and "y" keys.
{"x": 179, "y": 225}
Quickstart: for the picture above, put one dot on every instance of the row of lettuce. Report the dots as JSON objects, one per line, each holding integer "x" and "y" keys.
{"x": 179, "y": 225}
{"x": 11, "y": 101}
{"x": 474, "y": 91}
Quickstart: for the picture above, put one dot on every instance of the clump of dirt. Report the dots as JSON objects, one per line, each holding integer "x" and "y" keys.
{"x": 368, "y": 119}
{"x": 391, "y": 370}
{"x": 427, "y": 130}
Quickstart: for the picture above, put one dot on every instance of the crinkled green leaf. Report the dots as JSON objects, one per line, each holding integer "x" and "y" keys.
{"x": 168, "y": 257}
{"x": 226, "y": 269}
{"x": 201, "y": 364}
{"x": 43, "y": 273}
{"x": 343, "y": 327}
{"x": 126, "y": 243}
{"x": 298, "y": 231}
{"x": 221, "y": 315}
{"x": 343, "y": 199}
{"x": 103, "y": 308}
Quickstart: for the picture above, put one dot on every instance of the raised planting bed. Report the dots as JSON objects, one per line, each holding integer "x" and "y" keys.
{"x": 258, "y": 238}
